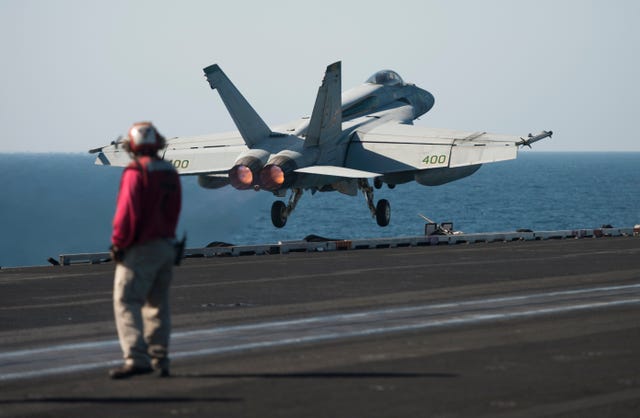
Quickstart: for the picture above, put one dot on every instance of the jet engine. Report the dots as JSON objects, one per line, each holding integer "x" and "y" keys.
{"x": 278, "y": 173}
{"x": 244, "y": 173}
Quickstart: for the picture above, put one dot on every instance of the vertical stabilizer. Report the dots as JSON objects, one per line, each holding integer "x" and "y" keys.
{"x": 249, "y": 123}
{"x": 326, "y": 119}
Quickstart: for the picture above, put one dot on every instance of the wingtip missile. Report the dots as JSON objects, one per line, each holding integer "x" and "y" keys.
{"x": 534, "y": 138}
{"x": 115, "y": 143}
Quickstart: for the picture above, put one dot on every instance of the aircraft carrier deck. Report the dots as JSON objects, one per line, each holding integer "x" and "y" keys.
{"x": 524, "y": 328}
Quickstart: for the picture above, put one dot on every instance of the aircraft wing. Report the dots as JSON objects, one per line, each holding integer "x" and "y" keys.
{"x": 206, "y": 154}
{"x": 394, "y": 147}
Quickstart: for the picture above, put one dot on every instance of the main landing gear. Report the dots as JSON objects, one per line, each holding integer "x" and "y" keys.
{"x": 280, "y": 212}
{"x": 381, "y": 211}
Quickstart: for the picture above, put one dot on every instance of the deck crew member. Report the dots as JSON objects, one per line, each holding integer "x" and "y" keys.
{"x": 143, "y": 246}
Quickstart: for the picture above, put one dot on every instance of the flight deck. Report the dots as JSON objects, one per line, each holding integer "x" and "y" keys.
{"x": 484, "y": 327}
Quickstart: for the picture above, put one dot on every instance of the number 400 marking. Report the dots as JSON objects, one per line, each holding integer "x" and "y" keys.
{"x": 435, "y": 159}
{"x": 180, "y": 163}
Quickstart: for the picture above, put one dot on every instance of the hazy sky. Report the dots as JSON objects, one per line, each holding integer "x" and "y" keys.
{"x": 76, "y": 74}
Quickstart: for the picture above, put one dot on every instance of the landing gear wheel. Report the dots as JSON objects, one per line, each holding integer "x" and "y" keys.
{"x": 278, "y": 214}
{"x": 383, "y": 212}
{"x": 377, "y": 183}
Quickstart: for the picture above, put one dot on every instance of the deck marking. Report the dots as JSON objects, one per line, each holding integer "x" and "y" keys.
{"x": 69, "y": 358}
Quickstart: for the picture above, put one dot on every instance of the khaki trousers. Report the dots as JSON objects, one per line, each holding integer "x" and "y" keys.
{"x": 141, "y": 303}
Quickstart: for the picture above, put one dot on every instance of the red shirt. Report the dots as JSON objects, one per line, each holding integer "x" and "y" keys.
{"x": 148, "y": 203}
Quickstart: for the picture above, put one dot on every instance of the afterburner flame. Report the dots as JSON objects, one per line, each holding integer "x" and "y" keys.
{"x": 276, "y": 174}
{"x": 245, "y": 176}
{"x": 272, "y": 177}
{"x": 241, "y": 177}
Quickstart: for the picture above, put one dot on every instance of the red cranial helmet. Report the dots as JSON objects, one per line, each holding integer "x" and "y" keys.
{"x": 144, "y": 138}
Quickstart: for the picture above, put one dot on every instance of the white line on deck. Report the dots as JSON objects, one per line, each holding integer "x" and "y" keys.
{"x": 69, "y": 358}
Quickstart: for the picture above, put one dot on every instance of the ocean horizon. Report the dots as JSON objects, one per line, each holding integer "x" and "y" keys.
{"x": 62, "y": 203}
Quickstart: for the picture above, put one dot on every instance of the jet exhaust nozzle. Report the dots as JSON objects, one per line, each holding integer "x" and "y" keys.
{"x": 244, "y": 174}
{"x": 278, "y": 174}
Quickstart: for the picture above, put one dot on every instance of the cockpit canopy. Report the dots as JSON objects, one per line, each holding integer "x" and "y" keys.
{"x": 385, "y": 77}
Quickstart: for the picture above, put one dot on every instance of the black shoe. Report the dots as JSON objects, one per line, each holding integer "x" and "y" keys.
{"x": 128, "y": 370}
{"x": 162, "y": 365}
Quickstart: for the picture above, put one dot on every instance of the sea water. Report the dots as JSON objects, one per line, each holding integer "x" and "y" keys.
{"x": 55, "y": 204}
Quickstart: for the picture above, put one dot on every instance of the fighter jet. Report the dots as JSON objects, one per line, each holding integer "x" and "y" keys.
{"x": 364, "y": 134}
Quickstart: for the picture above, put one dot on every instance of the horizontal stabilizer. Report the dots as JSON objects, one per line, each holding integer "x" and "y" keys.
{"x": 249, "y": 123}
{"x": 330, "y": 170}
